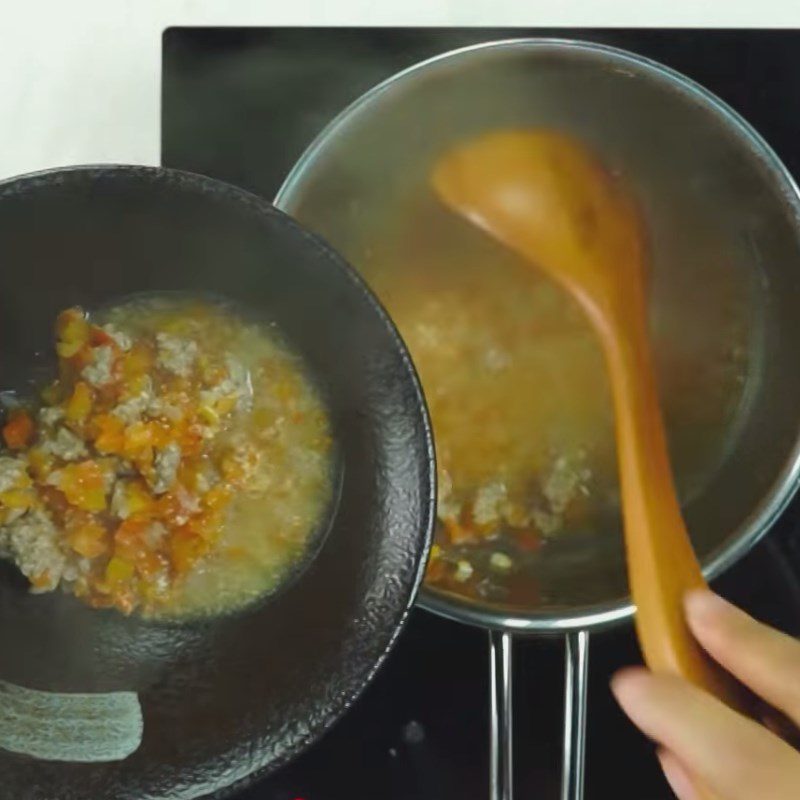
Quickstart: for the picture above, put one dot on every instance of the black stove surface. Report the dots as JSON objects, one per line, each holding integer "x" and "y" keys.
{"x": 241, "y": 105}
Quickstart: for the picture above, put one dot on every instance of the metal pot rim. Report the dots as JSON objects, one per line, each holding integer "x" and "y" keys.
{"x": 600, "y": 615}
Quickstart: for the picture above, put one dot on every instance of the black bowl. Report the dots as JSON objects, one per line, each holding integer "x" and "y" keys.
{"x": 228, "y": 697}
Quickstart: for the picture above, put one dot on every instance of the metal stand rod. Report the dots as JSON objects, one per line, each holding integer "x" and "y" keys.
{"x": 502, "y": 738}
{"x": 575, "y": 692}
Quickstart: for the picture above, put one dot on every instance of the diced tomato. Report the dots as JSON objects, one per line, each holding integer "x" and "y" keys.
{"x": 528, "y": 540}
{"x": 54, "y": 500}
{"x": 128, "y": 539}
{"x": 138, "y": 500}
{"x": 99, "y": 337}
{"x": 185, "y": 550}
{"x": 19, "y": 429}
{"x": 436, "y": 570}
{"x": 458, "y": 533}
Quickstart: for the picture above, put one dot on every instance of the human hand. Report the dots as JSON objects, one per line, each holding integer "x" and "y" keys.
{"x": 703, "y": 743}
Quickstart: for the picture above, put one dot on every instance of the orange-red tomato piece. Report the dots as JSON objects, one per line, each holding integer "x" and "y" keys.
{"x": 19, "y": 429}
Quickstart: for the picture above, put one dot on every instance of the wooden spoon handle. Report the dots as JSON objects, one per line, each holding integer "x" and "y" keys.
{"x": 662, "y": 564}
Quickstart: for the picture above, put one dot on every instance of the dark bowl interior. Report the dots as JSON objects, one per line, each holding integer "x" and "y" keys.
{"x": 225, "y": 697}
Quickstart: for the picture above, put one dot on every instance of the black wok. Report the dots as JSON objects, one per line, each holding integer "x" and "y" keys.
{"x": 222, "y": 699}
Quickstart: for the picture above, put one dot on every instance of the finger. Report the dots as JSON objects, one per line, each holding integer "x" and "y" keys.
{"x": 678, "y": 777}
{"x": 730, "y": 755}
{"x": 762, "y": 658}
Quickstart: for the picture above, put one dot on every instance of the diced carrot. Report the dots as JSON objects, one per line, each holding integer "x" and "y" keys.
{"x": 19, "y": 429}
{"x": 119, "y": 571}
{"x": 128, "y": 539}
{"x": 18, "y": 498}
{"x": 109, "y": 432}
{"x": 89, "y": 540}
{"x": 79, "y": 404}
{"x": 40, "y": 462}
{"x": 83, "y": 485}
{"x": 137, "y": 361}
{"x": 185, "y": 550}
{"x": 72, "y": 330}
{"x": 130, "y": 530}
{"x": 138, "y": 499}
{"x": 138, "y": 437}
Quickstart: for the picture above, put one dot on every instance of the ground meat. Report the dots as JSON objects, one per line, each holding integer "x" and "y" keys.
{"x": 188, "y": 504}
{"x": 165, "y": 468}
{"x": 122, "y": 340}
{"x": 99, "y": 372}
{"x": 119, "y": 499}
{"x": 236, "y": 385}
{"x": 13, "y": 473}
{"x": 176, "y": 355}
{"x": 51, "y": 416}
{"x": 158, "y": 407}
{"x": 131, "y": 409}
{"x": 447, "y": 507}
{"x": 568, "y": 477}
{"x": 546, "y": 522}
{"x": 65, "y": 445}
{"x": 32, "y": 541}
{"x": 486, "y": 509}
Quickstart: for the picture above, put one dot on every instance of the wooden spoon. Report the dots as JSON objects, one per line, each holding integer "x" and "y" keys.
{"x": 544, "y": 195}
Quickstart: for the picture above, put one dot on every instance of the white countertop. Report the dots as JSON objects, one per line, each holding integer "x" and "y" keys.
{"x": 80, "y": 79}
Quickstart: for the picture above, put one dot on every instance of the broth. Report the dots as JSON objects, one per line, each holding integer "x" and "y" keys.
{"x": 517, "y": 390}
{"x": 180, "y": 464}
